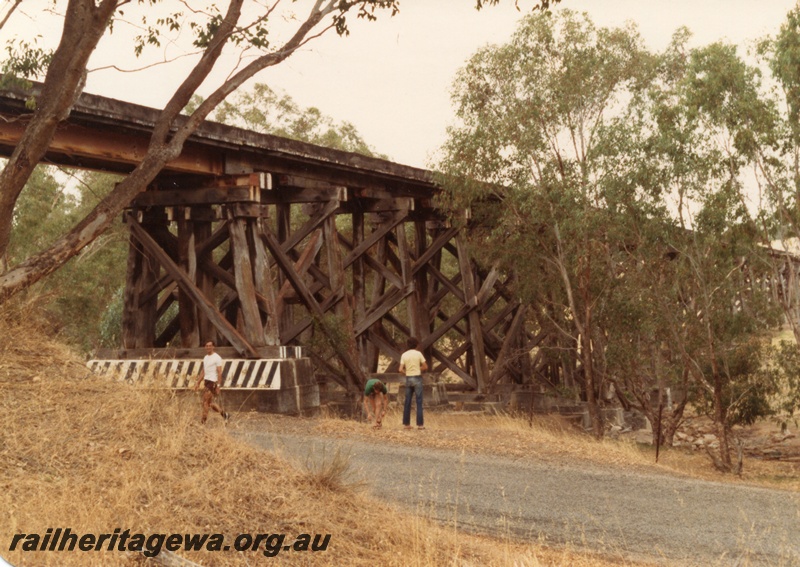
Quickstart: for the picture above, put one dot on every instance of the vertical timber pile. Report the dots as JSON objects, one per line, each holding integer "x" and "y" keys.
{"x": 187, "y": 256}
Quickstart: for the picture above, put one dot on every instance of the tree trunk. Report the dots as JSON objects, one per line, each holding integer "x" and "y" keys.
{"x": 669, "y": 426}
{"x": 84, "y": 25}
{"x": 590, "y": 376}
{"x": 592, "y": 403}
{"x": 722, "y": 429}
{"x": 720, "y": 412}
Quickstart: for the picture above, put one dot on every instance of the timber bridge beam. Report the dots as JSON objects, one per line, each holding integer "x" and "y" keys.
{"x": 263, "y": 242}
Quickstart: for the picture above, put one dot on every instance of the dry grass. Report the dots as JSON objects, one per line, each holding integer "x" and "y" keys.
{"x": 550, "y": 438}
{"x": 93, "y": 456}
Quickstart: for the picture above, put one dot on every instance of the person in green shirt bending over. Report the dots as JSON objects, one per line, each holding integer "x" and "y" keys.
{"x": 376, "y": 401}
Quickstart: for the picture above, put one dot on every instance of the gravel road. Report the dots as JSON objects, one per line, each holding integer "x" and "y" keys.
{"x": 652, "y": 517}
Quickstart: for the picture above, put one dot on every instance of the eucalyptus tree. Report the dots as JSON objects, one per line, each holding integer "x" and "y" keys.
{"x": 690, "y": 312}
{"x": 642, "y": 362}
{"x": 776, "y": 152}
{"x": 739, "y": 131}
{"x": 709, "y": 111}
{"x": 611, "y": 180}
{"x": 533, "y": 160}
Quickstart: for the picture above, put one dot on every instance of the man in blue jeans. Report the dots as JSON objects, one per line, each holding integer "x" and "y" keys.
{"x": 412, "y": 362}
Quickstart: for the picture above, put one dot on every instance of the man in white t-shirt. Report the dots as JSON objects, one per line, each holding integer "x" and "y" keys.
{"x": 412, "y": 362}
{"x": 211, "y": 376}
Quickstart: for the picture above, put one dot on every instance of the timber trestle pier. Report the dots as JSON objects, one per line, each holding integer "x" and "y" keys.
{"x": 261, "y": 243}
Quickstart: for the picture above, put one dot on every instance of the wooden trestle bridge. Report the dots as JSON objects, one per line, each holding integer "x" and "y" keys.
{"x": 259, "y": 238}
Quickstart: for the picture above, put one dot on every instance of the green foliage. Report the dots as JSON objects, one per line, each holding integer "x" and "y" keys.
{"x": 82, "y": 291}
{"x": 540, "y": 5}
{"x": 785, "y": 363}
{"x": 44, "y": 210}
{"x": 778, "y": 150}
{"x": 206, "y": 32}
{"x": 23, "y": 61}
{"x": 152, "y": 36}
{"x": 254, "y": 35}
{"x": 749, "y": 385}
{"x": 330, "y": 340}
{"x": 111, "y": 321}
{"x": 366, "y": 9}
{"x": 710, "y": 116}
{"x": 726, "y": 91}
{"x": 194, "y": 102}
{"x": 261, "y": 109}
{"x": 785, "y": 64}
{"x": 205, "y": 23}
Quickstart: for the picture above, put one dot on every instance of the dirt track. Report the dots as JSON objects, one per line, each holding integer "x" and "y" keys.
{"x": 648, "y": 517}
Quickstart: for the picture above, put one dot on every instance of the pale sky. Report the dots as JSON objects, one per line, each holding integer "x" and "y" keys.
{"x": 392, "y": 78}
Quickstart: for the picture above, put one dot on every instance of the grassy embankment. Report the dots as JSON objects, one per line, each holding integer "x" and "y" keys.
{"x": 93, "y": 456}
